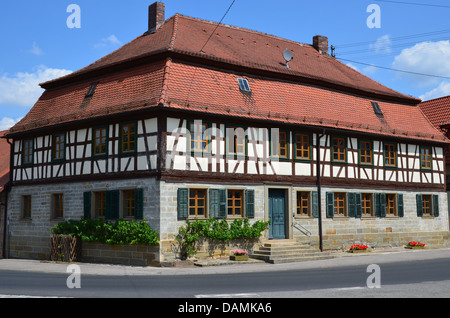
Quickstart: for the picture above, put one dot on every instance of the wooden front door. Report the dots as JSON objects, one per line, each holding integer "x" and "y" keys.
{"x": 277, "y": 214}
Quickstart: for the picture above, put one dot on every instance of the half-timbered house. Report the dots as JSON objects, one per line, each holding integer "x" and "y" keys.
{"x": 192, "y": 120}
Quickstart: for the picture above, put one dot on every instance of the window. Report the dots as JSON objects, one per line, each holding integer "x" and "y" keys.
{"x": 91, "y": 90}
{"x": 366, "y": 204}
{"x": 376, "y": 109}
{"x": 302, "y": 146}
{"x": 236, "y": 141}
{"x": 128, "y": 203}
{"x": 100, "y": 204}
{"x": 339, "y": 150}
{"x": 280, "y": 143}
{"x": 235, "y": 203}
{"x": 365, "y": 152}
{"x": 128, "y": 138}
{"x": 26, "y": 206}
{"x": 197, "y": 202}
{"x": 303, "y": 203}
{"x": 243, "y": 85}
{"x": 391, "y": 204}
{"x": 199, "y": 136}
{"x": 27, "y": 152}
{"x": 390, "y": 155}
{"x": 100, "y": 140}
{"x": 426, "y": 205}
{"x": 59, "y": 146}
{"x": 340, "y": 205}
{"x": 425, "y": 158}
{"x": 58, "y": 207}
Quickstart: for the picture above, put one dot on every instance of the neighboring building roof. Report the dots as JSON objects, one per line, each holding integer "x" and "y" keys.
{"x": 4, "y": 160}
{"x": 438, "y": 112}
{"x": 315, "y": 90}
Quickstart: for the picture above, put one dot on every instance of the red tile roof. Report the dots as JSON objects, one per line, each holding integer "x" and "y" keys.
{"x": 4, "y": 160}
{"x": 164, "y": 68}
{"x": 438, "y": 112}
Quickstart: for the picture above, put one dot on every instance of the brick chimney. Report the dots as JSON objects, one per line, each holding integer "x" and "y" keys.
{"x": 156, "y": 16}
{"x": 320, "y": 43}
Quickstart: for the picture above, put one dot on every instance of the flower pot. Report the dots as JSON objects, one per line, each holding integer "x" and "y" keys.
{"x": 239, "y": 257}
{"x": 358, "y": 251}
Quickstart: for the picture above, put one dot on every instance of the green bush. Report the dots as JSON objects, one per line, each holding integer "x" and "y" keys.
{"x": 109, "y": 232}
{"x": 218, "y": 230}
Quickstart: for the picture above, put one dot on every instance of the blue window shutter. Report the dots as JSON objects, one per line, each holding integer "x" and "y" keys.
{"x": 87, "y": 205}
{"x": 382, "y": 205}
{"x": 358, "y": 207}
{"x": 139, "y": 204}
{"x": 182, "y": 203}
{"x": 435, "y": 205}
{"x": 250, "y": 203}
{"x": 214, "y": 203}
{"x": 222, "y": 204}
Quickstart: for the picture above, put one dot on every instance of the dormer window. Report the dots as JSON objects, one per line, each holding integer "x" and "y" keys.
{"x": 243, "y": 85}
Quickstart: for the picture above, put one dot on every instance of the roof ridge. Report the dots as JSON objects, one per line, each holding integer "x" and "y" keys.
{"x": 436, "y": 99}
{"x": 174, "y": 31}
{"x": 244, "y": 29}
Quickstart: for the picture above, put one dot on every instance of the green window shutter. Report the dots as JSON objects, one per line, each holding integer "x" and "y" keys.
{"x": 330, "y": 204}
{"x": 315, "y": 204}
{"x": 419, "y": 204}
{"x": 112, "y": 205}
{"x": 182, "y": 203}
{"x": 217, "y": 203}
{"x": 400, "y": 206}
{"x": 380, "y": 204}
{"x": 351, "y": 204}
{"x": 383, "y": 205}
{"x": 250, "y": 203}
{"x": 222, "y": 204}
{"x": 376, "y": 204}
{"x": 435, "y": 205}
{"x": 139, "y": 204}
{"x": 87, "y": 205}
{"x": 358, "y": 207}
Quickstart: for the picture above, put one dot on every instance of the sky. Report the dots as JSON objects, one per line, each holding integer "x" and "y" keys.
{"x": 404, "y": 44}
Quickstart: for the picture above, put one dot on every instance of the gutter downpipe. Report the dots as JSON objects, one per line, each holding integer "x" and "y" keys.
{"x": 8, "y": 189}
{"x": 319, "y": 188}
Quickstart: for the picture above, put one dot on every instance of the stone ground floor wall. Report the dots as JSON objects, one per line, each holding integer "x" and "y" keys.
{"x": 30, "y": 237}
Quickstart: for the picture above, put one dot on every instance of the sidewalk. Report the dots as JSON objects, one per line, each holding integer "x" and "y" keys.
{"x": 224, "y": 267}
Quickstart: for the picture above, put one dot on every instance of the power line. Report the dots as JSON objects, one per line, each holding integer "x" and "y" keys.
{"x": 201, "y": 50}
{"x": 393, "y": 69}
{"x": 417, "y": 4}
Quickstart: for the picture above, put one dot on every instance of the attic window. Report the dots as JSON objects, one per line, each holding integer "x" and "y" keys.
{"x": 91, "y": 90}
{"x": 243, "y": 85}
{"x": 376, "y": 109}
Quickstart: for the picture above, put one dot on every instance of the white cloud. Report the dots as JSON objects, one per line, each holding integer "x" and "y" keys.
{"x": 382, "y": 44}
{"x": 22, "y": 89}
{"x": 431, "y": 58}
{"x": 6, "y": 123}
{"x": 36, "y": 50}
{"x": 111, "y": 40}
{"x": 442, "y": 90}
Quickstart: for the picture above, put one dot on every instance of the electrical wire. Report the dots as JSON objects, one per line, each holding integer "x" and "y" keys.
{"x": 415, "y": 3}
{"x": 393, "y": 69}
{"x": 220, "y": 22}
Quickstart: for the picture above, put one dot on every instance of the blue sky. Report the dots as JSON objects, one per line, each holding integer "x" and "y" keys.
{"x": 37, "y": 44}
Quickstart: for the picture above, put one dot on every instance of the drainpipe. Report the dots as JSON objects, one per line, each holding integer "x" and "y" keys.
{"x": 319, "y": 188}
{"x": 7, "y": 189}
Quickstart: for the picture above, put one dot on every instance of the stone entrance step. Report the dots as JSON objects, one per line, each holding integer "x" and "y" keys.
{"x": 286, "y": 251}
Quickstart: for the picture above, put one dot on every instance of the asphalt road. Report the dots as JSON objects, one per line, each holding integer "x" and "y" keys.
{"x": 418, "y": 278}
